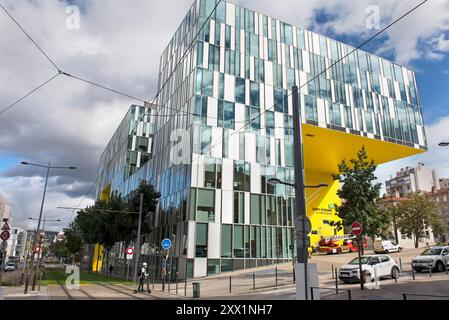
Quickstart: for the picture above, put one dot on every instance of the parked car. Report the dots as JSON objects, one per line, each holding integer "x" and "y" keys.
{"x": 386, "y": 246}
{"x": 372, "y": 265}
{"x": 436, "y": 258}
{"x": 10, "y": 266}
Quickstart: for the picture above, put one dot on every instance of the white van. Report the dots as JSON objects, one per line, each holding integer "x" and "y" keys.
{"x": 386, "y": 246}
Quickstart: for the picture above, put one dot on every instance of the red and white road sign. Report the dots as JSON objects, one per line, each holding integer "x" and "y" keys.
{"x": 36, "y": 249}
{"x": 6, "y": 227}
{"x": 356, "y": 229}
{"x": 129, "y": 250}
{"x": 4, "y": 235}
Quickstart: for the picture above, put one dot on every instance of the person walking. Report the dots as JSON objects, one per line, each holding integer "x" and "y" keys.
{"x": 143, "y": 277}
{"x": 111, "y": 268}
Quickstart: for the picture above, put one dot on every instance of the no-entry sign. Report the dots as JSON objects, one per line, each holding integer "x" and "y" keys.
{"x": 356, "y": 229}
{"x": 129, "y": 250}
{"x": 4, "y": 235}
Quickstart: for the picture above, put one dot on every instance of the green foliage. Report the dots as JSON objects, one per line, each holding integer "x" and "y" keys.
{"x": 360, "y": 195}
{"x": 73, "y": 238}
{"x": 59, "y": 248}
{"x": 416, "y": 214}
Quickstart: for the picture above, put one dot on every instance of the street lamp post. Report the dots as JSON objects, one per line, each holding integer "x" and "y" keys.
{"x": 48, "y": 167}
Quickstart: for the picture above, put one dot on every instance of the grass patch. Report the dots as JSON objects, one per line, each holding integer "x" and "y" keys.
{"x": 58, "y": 277}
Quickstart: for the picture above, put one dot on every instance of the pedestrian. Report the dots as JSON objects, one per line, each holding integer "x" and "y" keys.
{"x": 143, "y": 277}
{"x": 111, "y": 268}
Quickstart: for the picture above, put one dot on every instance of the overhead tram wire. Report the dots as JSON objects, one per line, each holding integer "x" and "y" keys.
{"x": 140, "y": 119}
{"x": 28, "y": 94}
{"x": 279, "y": 102}
{"x": 31, "y": 39}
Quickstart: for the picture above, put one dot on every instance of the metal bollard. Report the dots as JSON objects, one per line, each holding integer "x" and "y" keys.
{"x": 336, "y": 281}
{"x": 430, "y": 271}
{"x": 332, "y": 271}
{"x": 311, "y": 293}
{"x": 176, "y": 283}
{"x": 185, "y": 287}
{"x": 413, "y": 271}
{"x": 400, "y": 264}
{"x": 230, "y": 284}
{"x": 349, "y": 295}
{"x": 254, "y": 281}
{"x": 153, "y": 280}
{"x": 276, "y": 276}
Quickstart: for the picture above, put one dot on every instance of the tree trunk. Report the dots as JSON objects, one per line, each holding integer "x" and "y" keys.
{"x": 416, "y": 241}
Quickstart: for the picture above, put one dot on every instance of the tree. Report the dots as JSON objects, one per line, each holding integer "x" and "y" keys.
{"x": 59, "y": 248}
{"x": 360, "y": 196}
{"x": 73, "y": 239}
{"x": 418, "y": 213}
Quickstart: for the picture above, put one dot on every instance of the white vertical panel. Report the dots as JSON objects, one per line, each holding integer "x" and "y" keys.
{"x": 217, "y": 205}
{"x": 232, "y": 38}
{"x": 255, "y": 178}
{"x": 265, "y": 50}
{"x": 262, "y": 96}
{"x": 279, "y": 124}
{"x": 234, "y": 145}
{"x": 242, "y": 42}
{"x": 305, "y": 61}
{"x": 316, "y": 43}
{"x": 251, "y": 68}
{"x": 200, "y": 172}
{"x": 247, "y": 208}
{"x": 229, "y": 88}
{"x": 199, "y": 267}
{"x": 212, "y": 31}
{"x": 194, "y": 174}
{"x": 212, "y": 109}
{"x": 302, "y": 82}
{"x": 278, "y": 31}
{"x": 250, "y": 147}
{"x": 206, "y": 55}
{"x": 272, "y": 151}
{"x": 191, "y": 240}
{"x": 227, "y": 175}
{"x": 270, "y": 36}
{"x": 230, "y": 14}
{"x": 420, "y": 131}
{"x": 227, "y": 211}
{"x": 269, "y": 96}
{"x": 217, "y": 142}
{"x": 256, "y": 23}
{"x": 242, "y": 65}
{"x": 213, "y": 240}
{"x": 397, "y": 91}
{"x": 321, "y": 113}
{"x": 269, "y": 73}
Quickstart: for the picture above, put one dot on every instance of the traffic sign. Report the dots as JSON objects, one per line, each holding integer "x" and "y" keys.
{"x": 166, "y": 244}
{"x": 6, "y": 227}
{"x": 4, "y": 235}
{"x": 356, "y": 229}
{"x": 129, "y": 250}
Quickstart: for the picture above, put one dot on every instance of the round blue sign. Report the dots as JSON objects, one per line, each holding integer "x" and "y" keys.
{"x": 166, "y": 244}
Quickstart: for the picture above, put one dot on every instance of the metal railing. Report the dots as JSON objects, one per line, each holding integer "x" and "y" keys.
{"x": 337, "y": 291}
{"x": 404, "y": 296}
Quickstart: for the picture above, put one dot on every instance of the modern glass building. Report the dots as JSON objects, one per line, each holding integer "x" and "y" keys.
{"x": 128, "y": 150}
{"x": 224, "y": 127}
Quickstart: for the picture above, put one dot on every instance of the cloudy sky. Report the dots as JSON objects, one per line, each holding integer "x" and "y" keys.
{"x": 118, "y": 44}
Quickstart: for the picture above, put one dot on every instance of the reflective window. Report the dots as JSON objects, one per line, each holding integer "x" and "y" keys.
{"x": 240, "y": 90}
{"x": 201, "y": 240}
{"x": 206, "y": 205}
{"x": 226, "y": 240}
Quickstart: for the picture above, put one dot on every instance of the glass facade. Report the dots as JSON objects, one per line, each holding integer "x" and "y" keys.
{"x": 229, "y": 94}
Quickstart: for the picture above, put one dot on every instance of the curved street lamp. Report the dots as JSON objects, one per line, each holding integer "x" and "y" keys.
{"x": 443, "y": 144}
{"x": 48, "y": 167}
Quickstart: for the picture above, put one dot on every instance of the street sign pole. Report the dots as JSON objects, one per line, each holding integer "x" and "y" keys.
{"x": 357, "y": 230}
{"x": 137, "y": 255}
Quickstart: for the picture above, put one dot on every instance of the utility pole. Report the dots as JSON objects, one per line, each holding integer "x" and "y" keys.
{"x": 37, "y": 233}
{"x": 302, "y": 223}
{"x": 136, "y": 262}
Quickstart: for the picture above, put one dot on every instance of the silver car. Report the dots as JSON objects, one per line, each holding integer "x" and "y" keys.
{"x": 436, "y": 258}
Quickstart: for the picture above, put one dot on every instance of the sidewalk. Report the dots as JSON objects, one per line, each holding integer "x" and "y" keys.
{"x": 17, "y": 293}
